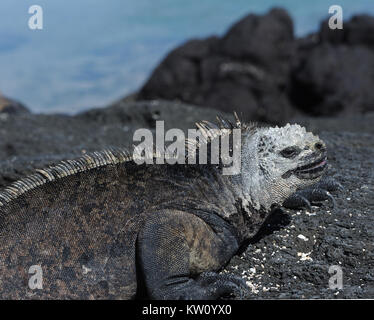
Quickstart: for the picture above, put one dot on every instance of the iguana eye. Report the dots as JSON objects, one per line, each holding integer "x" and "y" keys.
{"x": 290, "y": 152}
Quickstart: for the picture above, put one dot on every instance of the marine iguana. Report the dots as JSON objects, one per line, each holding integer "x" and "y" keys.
{"x": 104, "y": 227}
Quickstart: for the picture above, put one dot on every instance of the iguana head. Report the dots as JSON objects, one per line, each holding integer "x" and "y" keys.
{"x": 278, "y": 161}
{"x": 274, "y": 162}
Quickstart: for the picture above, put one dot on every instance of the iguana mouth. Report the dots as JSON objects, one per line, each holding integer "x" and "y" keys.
{"x": 312, "y": 170}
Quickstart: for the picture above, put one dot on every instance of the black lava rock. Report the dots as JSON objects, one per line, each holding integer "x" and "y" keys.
{"x": 332, "y": 79}
{"x": 247, "y": 70}
{"x": 260, "y": 70}
{"x": 358, "y": 31}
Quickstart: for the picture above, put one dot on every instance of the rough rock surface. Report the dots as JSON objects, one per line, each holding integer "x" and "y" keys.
{"x": 260, "y": 69}
{"x": 291, "y": 255}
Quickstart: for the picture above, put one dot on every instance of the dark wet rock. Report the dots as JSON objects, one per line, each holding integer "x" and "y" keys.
{"x": 247, "y": 70}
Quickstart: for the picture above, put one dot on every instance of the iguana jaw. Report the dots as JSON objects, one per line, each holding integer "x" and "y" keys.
{"x": 312, "y": 170}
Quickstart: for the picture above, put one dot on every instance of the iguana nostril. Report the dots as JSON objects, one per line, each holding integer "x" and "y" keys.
{"x": 318, "y": 145}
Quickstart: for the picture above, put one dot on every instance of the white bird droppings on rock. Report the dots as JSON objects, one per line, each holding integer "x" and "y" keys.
{"x": 310, "y": 213}
{"x": 86, "y": 269}
{"x": 302, "y": 237}
{"x": 304, "y": 256}
{"x": 253, "y": 287}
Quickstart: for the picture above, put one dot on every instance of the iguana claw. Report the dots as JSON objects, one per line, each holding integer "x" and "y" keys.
{"x": 315, "y": 194}
{"x": 220, "y": 285}
{"x": 297, "y": 201}
{"x": 330, "y": 184}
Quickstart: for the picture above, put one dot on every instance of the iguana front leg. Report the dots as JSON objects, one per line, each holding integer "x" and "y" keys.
{"x": 314, "y": 194}
{"x": 177, "y": 252}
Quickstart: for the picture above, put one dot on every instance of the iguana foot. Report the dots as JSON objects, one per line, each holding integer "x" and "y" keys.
{"x": 330, "y": 184}
{"x": 207, "y": 286}
{"x": 212, "y": 286}
{"x": 220, "y": 285}
{"x": 314, "y": 194}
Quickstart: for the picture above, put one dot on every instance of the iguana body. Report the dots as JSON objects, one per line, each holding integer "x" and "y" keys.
{"x": 105, "y": 227}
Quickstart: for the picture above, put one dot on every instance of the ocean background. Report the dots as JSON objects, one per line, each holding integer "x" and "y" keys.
{"x": 93, "y": 52}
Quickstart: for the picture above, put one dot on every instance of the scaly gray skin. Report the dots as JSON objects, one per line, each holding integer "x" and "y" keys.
{"x": 104, "y": 227}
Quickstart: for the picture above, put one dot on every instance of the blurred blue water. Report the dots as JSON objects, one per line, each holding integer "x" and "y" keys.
{"x": 92, "y": 52}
